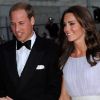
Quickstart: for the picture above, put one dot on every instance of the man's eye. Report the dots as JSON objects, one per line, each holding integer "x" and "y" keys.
{"x": 21, "y": 23}
{"x": 12, "y": 24}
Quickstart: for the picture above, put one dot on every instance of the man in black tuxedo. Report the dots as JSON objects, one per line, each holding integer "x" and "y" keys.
{"x": 28, "y": 64}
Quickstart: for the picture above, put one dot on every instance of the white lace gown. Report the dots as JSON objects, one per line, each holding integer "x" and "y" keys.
{"x": 81, "y": 79}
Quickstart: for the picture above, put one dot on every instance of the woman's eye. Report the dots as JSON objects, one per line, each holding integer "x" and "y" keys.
{"x": 72, "y": 23}
{"x": 64, "y": 24}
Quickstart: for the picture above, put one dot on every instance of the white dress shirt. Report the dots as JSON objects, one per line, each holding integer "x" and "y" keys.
{"x": 22, "y": 55}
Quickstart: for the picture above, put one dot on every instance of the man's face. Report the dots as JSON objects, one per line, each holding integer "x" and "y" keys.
{"x": 21, "y": 25}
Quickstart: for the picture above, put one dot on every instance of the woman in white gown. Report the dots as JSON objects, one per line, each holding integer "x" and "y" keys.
{"x": 80, "y": 60}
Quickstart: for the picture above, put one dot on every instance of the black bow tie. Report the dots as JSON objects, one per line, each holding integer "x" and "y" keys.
{"x": 27, "y": 44}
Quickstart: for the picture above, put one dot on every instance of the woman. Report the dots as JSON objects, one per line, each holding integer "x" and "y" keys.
{"x": 80, "y": 60}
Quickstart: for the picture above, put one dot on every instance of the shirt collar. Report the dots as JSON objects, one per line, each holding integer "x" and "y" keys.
{"x": 33, "y": 38}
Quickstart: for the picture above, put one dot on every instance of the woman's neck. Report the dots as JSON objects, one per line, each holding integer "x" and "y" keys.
{"x": 80, "y": 50}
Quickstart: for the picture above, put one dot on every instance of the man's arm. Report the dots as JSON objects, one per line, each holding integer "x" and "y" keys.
{"x": 54, "y": 75}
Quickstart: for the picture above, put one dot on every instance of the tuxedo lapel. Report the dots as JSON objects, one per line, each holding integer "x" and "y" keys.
{"x": 10, "y": 59}
{"x": 34, "y": 58}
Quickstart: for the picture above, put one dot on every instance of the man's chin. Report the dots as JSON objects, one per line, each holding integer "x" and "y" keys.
{"x": 19, "y": 39}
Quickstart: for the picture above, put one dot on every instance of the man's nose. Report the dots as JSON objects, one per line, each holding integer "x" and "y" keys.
{"x": 17, "y": 28}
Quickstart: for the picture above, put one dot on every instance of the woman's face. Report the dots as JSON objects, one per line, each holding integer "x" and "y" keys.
{"x": 72, "y": 28}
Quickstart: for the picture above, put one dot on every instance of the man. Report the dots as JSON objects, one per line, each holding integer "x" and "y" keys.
{"x": 28, "y": 72}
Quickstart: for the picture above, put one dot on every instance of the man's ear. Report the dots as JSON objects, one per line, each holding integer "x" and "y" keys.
{"x": 32, "y": 20}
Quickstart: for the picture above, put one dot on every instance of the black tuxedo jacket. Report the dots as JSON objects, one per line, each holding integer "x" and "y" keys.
{"x": 42, "y": 83}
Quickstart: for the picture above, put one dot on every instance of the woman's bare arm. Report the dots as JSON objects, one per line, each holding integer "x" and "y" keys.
{"x": 64, "y": 95}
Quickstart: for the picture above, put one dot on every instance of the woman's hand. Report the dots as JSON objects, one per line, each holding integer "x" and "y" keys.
{"x": 6, "y": 98}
